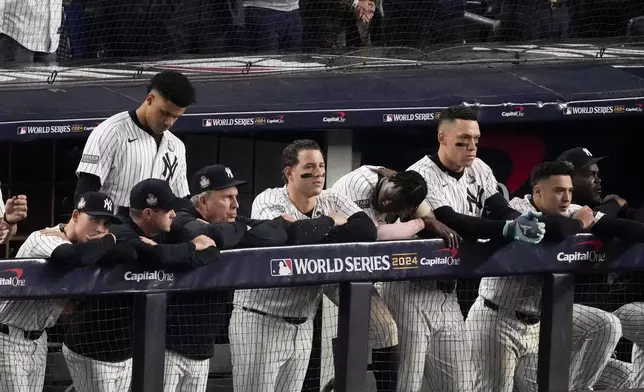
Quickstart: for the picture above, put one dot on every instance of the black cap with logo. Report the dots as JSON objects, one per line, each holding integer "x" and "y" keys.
{"x": 213, "y": 177}
{"x": 154, "y": 193}
{"x": 95, "y": 204}
{"x": 580, "y": 157}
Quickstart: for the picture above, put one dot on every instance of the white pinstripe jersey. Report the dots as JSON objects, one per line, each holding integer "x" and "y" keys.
{"x": 121, "y": 154}
{"x": 34, "y": 315}
{"x": 522, "y": 293}
{"x": 466, "y": 195}
{"x": 1, "y": 204}
{"x": 296, "y": 301}
{"x": 359, "y": 186}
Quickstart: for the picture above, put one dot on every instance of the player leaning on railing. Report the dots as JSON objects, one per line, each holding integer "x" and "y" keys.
{"x": 80, "y": 242}
{"x": 197, "y": 321}
{"x": 271, "y": 330}
{"x": 12, "y": 212}
{"x": 148, "y": 232}
{"x": 504, "y": 321}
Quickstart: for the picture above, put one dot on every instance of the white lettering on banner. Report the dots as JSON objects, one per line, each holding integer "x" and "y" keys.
{"x": 159, "y": 275}
{"x": 448, "y": 260}
{"x": 44, "y": 130}
{"x": 589, "y": 110}
{"x": 402, "y": 117}
{"x": 348, "y": 264}
{"x": 516, "y": 113}
{"x": 228, "y": 122}
{"x": 15, "y": 282}
{"x": 334, "y": 119}
{"x": 591, "y": 256}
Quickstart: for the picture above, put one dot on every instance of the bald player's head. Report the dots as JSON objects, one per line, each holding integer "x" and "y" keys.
{"x": 458, "y": 137}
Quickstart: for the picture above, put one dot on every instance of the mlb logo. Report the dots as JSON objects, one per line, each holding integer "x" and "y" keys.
{"x": 568, "y": 111}
{"x": 207, "y": 122}
{"x": 388, "y": 118}
{"x": 281, "y": 267}
{"x": 22, "y": 130}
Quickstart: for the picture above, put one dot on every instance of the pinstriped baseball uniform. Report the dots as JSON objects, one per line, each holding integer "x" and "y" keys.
{"x": 122, "y": 154}
{"x": 270, "y": 354}
{"x": 433, "y": 340}
{"x": 23, "y": 360}
{"x": 359, "y": 186}
{"x": 1, "y": 204}
{"x": 514, "y": 344}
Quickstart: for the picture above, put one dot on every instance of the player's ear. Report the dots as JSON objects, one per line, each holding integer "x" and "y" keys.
{"x": 442, "y": 138}
{"x": 75, "y": 215}
{"x": 288, "y": 173}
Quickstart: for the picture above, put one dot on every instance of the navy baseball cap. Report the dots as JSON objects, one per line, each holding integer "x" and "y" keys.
{"x": 580, "y": 157}
{"x": 154, "y": 193}
{"x": 213, "y": 177}
{"x": 96, "y": 204}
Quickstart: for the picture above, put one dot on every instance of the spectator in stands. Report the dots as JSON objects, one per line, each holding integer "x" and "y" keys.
{"x": 197, "y": 321}
{"x": 93, "y": 365}
{"x": 81, "y": 242}
{"x": 29, "y": 27}
{"x": 12, "y": 212}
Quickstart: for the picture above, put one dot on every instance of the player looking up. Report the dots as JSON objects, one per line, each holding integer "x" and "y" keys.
{"x": 461, "y": 190}
{"x": 271, "y": 330}
{"x": 132, "y": 146}
{"x": 79, "y": 243}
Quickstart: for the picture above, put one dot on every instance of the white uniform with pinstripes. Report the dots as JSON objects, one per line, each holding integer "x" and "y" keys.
{"x": 510, "y": 347}
{"x": 632, "y": 319}
{"x": 433, "y": 341}
{"x": 23, "y": 361}
{"x": 359, "y": 186}
{"x": 121, "y": 154}
{"x": 269, "y": 354}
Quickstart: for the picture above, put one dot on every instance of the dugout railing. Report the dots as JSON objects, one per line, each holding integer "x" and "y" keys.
{"x": 254, "y": 268}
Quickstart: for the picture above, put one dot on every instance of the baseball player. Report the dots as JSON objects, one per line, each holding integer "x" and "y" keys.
{"x": 23, "y": 341}
{"x": 195, "y": 321}
{"x": 148, "y": 231}
{"x": 271, "y": 329}
{"x": 14, "y": 211}
{"x": 504, "y": 321}
{"x": 132, "y": 146}
{"x": 461, "y": 188}
{"x": 386, "y": 196}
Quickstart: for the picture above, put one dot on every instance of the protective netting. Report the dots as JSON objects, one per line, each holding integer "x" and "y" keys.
{"x": 85, "y": 39}
{"x": 206, "y": 340}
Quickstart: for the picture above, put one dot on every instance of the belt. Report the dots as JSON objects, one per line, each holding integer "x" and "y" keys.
{"x": 29, "y": 335}
{"x": 290, "y": 320}
{"x": 525, "y": 318}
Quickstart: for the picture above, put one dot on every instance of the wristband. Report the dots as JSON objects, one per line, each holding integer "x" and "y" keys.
{"x": 7, "y": 221}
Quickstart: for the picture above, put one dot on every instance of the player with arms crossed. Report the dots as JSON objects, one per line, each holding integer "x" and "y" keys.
{"x": 271, "y": 330}
{"x": 147, "y": 231}
{"x": 387, "y": 196}
{"x": 132, "y": 146}
{"x": 504, "y": 321}
{"x": 461, "y": 189}
{"x": 79, "y": 243}
{"x": 11, "y": 213}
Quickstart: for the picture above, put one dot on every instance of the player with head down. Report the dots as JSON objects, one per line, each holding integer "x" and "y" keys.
{"x": 387, "y": 196}
{"x": 504, "y": 321}
{"x": 462, "y": 193}
{"x": 271, "y": 330}
{"x": 81, "y": 242}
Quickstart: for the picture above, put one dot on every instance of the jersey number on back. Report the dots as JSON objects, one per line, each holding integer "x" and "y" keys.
{"x": 169, "y": 167}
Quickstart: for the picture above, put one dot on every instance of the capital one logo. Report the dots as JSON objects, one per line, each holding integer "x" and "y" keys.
{"x": 517, "y": 111}
{"x": 589, "y": 250}
{"x": 12, "y": 277}
{"x": 443, "y": 256}
{"x": 338, "y": 117}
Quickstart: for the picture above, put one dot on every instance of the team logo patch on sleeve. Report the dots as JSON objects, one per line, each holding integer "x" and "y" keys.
{"x": 366, "y": 203}
{"x": 92, "y": 159}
